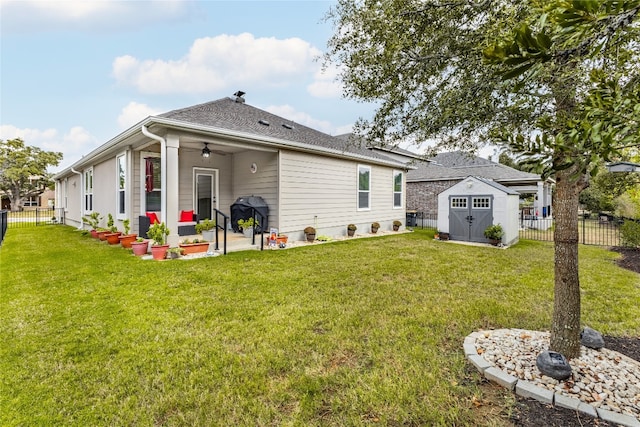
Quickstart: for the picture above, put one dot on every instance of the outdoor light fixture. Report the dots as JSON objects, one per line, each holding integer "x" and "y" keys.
{"x": 205, "y": 151}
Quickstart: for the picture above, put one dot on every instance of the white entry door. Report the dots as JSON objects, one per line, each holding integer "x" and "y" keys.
{"x": 205, "y": 192}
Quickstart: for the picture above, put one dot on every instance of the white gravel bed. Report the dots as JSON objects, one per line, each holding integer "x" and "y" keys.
{"x": 602, "y": 378}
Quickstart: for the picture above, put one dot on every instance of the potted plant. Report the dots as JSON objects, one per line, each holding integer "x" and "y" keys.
{"x": 140, "y": 246}
{"x": 374, "y": 227}
{"x": 158, "y": 233}
{"x": 282, "y": 240}
{"x": 351, "y": 230}
{"x": 442, "y": 235}
{"x": 494, "y": 233}
{"x": 396, "y": 225}
{"x": 194, "y": 246}
{"x": 93, "y": 219}
{"x": 206, "y": 227}
{"x": 126, "y": 239}
{"x": 174, "y": 253}
{"x": 247, "y": 226}
{"x": 113, "y": 235}
{"x": 310, "y": 234}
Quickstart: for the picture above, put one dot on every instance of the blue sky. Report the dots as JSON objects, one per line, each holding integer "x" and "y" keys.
{"x": 74, "y": 74}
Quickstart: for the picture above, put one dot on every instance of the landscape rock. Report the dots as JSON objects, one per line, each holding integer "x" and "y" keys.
{"x": 553, "y": 365}
{"x": 591, "y": 338}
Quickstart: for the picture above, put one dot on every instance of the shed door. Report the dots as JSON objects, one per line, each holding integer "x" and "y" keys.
{"x": 469, "y": 216}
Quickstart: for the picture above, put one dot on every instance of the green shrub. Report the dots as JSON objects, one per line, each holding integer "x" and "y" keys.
{"x": 630, "y": 234}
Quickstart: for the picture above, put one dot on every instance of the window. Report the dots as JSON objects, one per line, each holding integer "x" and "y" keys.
{"x": 153, "y": 184}
{"x": 121, "y": 173}
{"x": 88, "y": 190}
{"x": 30, "y": 201}
{"x": 481, "y": 203}
{"x": 364, "y": 187}
{"x": 397, "y": 189}
{"x": 459, "y": 202}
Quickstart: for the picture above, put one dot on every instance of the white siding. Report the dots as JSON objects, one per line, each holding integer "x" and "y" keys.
{"x": 322, "y": 192}
{"x": 263, "y": 183}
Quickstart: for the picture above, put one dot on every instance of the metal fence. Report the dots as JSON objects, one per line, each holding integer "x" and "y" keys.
{"x": 34, "y": 217}
{"x": 600, "y": 230}
{"x": 3, "y": 224}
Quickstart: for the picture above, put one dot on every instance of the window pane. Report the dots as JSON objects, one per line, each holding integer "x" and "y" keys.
{"x": 157, "y": 179}
{"x": 121, "y": 202}
{"x": 121, "y": 174}
{"x": 363, "y": 199}
{"x": 397, "y": 182}
{"x": 397, "y": 199}
{"x": 363, "y": 183}
{"x": 153, "y": 201}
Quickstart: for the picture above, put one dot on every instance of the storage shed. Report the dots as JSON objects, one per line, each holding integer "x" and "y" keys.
{"x": 473, "y": 204}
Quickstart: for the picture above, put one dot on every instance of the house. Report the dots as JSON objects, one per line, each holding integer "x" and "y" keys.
{"x": 205, "y": 157}
{"x": 443, "y": 171}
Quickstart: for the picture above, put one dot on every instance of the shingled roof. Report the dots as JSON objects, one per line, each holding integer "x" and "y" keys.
{"x": 459, "y": 165}
{"x": 235, "y": 115}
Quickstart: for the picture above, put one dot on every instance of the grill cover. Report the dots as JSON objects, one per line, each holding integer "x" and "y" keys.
{"x": 241, "y": 209}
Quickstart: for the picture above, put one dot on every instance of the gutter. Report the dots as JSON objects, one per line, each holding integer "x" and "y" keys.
{"x": 163, "y": 169}
{"x": 80, "y": 227}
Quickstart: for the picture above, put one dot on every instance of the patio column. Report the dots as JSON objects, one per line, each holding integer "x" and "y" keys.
{"x": 171, "y": 189}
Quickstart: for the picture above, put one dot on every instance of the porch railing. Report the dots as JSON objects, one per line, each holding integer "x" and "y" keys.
{"x": 258, "y": 218}
{"x": 225, "y": 221}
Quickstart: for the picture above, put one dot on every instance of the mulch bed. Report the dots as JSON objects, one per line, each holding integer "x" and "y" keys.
{"x": 531, "y": 413}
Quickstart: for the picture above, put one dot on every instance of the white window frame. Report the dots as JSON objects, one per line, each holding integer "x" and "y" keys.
{"x": 455, "y": 202}
{"x": 481, "y": 198}
{"x": 362, "y": 168}
{"x": 395, "y": 192}
{"x": 87, "y": 177}
{"x": 121, "y": 187}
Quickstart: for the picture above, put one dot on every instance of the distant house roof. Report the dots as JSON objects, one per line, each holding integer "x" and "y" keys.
{"x": 623, "y": 167}
{"x": 391, "y": 149}
{"x": 459, "y": 165}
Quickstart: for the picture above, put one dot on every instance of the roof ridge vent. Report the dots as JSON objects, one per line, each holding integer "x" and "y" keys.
{"x": 287, "y": 126}
{"x": 239, "y": 96}
{"x": 263, "y": 122}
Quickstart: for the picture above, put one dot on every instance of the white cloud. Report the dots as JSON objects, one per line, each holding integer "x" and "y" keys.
{"x": 326, "y": 84}
{"x": 133, "y": 112}
{"x": 27, "y": 16}
{"x": 72, "y": 144}
{"x": 222, "y": 62}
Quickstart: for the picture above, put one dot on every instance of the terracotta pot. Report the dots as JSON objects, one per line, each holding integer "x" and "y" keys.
{"x": 127, "y": 239}
{"x": 140, "y": 248}
{"x": 281, "y": 240}
{"x": 113, "y": 238}
{"x": 194, "y": 248}
{"x": 94, "y": 234}
{"x": 159, "y": 252}
{"x": 102, "y": 234}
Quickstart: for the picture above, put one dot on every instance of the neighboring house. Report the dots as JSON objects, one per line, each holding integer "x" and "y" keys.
{"x": 205, "y": 157}
{"x": 447, "y": 169}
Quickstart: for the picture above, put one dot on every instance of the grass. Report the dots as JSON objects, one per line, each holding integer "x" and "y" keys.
{"x": 359, "y": 332}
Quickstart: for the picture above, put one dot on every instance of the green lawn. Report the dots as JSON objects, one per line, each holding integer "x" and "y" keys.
{"x": 361, "y": 332}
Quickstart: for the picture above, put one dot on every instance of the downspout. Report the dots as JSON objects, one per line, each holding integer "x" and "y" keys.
{"x": 163, "y": 170}
{"x": 80, "y": 227}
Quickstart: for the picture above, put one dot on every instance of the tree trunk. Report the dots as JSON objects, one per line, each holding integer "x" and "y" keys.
{"x": 565, "y": 328}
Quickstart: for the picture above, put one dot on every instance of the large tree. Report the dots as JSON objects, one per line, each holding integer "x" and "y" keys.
{"x": 23, "y": 171}
{"x": 555, "y": 81}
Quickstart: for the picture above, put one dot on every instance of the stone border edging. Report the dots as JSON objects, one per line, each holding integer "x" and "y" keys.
{"x": 527, "y": 389}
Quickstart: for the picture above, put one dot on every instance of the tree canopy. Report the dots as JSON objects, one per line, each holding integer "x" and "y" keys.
{"x": 558, "y": 82}
{"x": 23, "y": 170}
